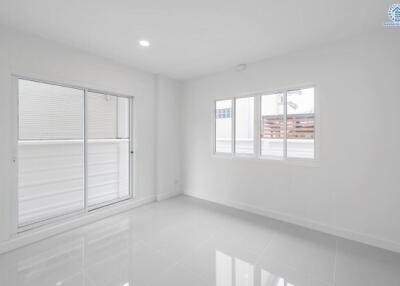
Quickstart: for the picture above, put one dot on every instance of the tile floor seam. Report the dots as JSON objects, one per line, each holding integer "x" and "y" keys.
{"x": 179, "y": 262}
{"x": 335, "y": 262}
{"x": 90, "y": 279}
{"x": 265, "y": 249}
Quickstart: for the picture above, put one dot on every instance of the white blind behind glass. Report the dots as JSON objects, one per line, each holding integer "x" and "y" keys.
{"x": 108, "y": 147}
{"x": 50, "y": 151}
{"x": 48, "y": 112}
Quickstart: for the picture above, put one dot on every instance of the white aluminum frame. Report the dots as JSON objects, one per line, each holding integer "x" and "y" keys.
{"x": 257, "y": 125}
{"x": 15, "y": 227}
{"x": 131, "y": 153}
{"x": 225, "y": 154}
{"x": 274, "y": 158}
{"x": 246, "y": 155}
{"x": 233, "y": 152}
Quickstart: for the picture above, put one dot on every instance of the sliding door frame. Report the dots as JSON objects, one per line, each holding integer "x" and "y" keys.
{"x": 15, "y": 227}
{"x": 131, "y": 151}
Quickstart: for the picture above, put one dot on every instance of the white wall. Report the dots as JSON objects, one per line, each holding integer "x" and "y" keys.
{"x": 354, "y": 189}
{"x": 168, "y": 137}
{"x": 35, "y": 57}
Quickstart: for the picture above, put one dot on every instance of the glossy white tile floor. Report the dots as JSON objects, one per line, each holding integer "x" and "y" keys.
{"x": 187, "y": 242}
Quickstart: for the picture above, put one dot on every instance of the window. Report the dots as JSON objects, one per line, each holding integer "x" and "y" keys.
{"x": 223, "y": 126}
{"x": 285, "y": 125}
{"x": 73, "y": 150}
{"x": 272, "y": 125}
{"x": 244, "y": 125}
{"x": 295, "y": 137}
{"x": 300, "y": 123}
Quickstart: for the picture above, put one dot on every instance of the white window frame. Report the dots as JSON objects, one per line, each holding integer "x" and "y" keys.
{"x": 233, "y": 152}
{"x": 257, "y": 125}
{"x": 16, "y": 228}
{"x": 244, "y": 155}
{"x": 214, "y": 145}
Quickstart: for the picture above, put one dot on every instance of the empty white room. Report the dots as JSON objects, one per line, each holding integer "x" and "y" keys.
{"x": 199, "y": 143}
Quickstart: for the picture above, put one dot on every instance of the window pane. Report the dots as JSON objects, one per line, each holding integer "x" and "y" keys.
{"x": 108, "y": 147}
{"x": 49, "y": 112}
{"x": 300, "y": 123}
{"x": 102, "y": 116}
{"x": 50, "y": 151}
{"x": 244, "y": 125}
{"x": 272, "y": 125}
{"x": 223, "y": 126}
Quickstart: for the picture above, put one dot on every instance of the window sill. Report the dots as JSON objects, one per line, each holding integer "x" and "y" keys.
{"x": 234, "y": 156}
{"x": 288, "y": 161}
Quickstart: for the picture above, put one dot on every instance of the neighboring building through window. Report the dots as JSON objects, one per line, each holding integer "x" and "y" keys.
{"x": 223, "y": 113}
{"x": 300, "y": 123}
{"x": 272, "y": 125}
{"x": 223, "y": 126}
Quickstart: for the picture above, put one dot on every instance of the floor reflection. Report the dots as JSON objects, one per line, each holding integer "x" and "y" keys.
{"x": 76, "y": 260}
{"x": 182, "y": 242}
{"x": 232, "y": 271}
{"x": 269, "y": 279}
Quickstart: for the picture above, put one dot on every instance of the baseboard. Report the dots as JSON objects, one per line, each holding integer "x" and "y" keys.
{"x": 164, "y": 196}
{"x": 339, "y": 232}
{"x": 35, "y": 235}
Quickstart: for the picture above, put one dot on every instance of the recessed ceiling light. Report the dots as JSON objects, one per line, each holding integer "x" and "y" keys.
{"x": 144, "y": 43}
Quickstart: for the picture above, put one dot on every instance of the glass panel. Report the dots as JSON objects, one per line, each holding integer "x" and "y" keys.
{"x": 300, "y": 123}
{"x": 102, "y": 116}
{"x": 244, "y": 125}
{"x": 272, "y": 125}
{"x": 50, "y": 151}
{"x": 107, "y": 147}
{"x": 49, "y": 112}
{"x": 223, "y": 126}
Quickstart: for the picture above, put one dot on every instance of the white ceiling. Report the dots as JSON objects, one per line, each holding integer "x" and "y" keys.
{"x": 191, "y": 38}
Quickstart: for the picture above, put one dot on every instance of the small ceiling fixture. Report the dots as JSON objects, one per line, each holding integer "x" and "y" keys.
{"x": 241, "y": 67}
{"x": 144, "y": 43}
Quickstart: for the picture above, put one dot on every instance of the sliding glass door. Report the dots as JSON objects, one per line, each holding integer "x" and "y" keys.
{"x": 74, "y": 150}
{"x": 108, "y": 149}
